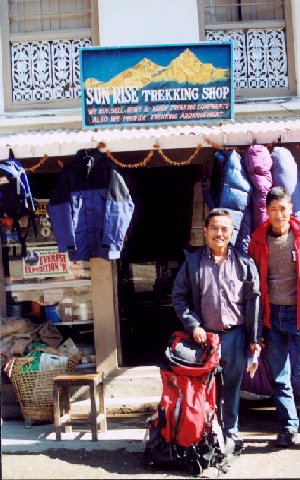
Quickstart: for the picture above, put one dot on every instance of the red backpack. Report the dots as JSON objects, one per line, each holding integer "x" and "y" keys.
{"x": 186, "y": 357}
{"x": 188, "y": 396}
{"x": 185, "y": 428}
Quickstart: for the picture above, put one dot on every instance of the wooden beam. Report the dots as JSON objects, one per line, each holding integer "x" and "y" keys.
{"x": 104, "y": 316}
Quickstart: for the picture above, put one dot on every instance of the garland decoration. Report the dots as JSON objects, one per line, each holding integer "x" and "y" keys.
{"x": 178, "y": 164}
{"x": 39, "y": 164}
{"x": 156, "y": 147}
{"x": 217, "y": 147}
{"x": 143, "y": 163}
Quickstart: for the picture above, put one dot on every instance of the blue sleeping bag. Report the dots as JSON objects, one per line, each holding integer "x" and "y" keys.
{"x": 285, "y": 174}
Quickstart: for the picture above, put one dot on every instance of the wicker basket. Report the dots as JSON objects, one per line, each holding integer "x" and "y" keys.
{"x": 34, "y": 388}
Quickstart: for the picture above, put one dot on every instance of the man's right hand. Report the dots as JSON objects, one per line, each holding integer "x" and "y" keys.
{"x": 199, "y": 335}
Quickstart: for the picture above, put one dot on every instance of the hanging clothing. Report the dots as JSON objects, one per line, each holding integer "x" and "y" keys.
{"x": 16, "y": 195}
{"x": 90, "y": 208}
{"x": 230, "y": 189}
{"x": 16, "y": 200}
{"x": 258, "y": 162}
{"x": 285, "y": 174}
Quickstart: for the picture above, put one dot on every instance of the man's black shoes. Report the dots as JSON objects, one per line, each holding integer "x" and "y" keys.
{"x": 233, "y": 444}
{"x": 286, "y": 439}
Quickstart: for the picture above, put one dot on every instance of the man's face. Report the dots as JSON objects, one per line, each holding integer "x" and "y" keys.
{"x": 218, "y": 232}
{"x": 279, "y": 212}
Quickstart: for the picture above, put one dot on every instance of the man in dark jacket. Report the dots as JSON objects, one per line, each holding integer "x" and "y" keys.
{"x": 217, "y": 290}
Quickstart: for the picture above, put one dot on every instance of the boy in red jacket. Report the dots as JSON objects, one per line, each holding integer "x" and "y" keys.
{"x": 275, "y": 248}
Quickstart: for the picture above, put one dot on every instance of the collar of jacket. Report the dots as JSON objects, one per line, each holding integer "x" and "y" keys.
{"x": 260, "y": 234}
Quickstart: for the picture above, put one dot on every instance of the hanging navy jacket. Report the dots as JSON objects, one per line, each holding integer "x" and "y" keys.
{"x": 230, "y": 189}
{"x": 90, "y": 208}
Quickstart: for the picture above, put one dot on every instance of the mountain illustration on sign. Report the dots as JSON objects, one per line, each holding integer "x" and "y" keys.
{"x": 186, "y": 68}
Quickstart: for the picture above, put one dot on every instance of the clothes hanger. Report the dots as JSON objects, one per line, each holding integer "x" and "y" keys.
{"x": 90, "y": 161}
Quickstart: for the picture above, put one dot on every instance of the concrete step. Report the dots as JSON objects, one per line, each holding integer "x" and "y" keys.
{"x": 121, "y": 406}
{"x": 127, "y": 391}
{"x": 133, "y": 382}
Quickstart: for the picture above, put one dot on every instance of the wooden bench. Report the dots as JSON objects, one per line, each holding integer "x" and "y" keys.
{"x": 63, "y": 417}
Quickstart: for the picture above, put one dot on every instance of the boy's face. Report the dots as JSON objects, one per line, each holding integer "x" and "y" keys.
{"x": 279, "y": 212}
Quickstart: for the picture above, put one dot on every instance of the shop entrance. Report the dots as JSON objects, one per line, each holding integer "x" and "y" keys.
{"x": 152, "y": 255}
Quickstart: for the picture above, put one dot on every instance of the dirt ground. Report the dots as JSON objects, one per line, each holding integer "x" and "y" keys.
{"x": 257, "y": 461}
{"x": 260, "y": 459}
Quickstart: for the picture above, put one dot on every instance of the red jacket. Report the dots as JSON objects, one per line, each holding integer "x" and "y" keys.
{"x": 258, "y": 250}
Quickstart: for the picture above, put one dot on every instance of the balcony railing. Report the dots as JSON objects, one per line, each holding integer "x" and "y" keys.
{"x": 49, "y": 70}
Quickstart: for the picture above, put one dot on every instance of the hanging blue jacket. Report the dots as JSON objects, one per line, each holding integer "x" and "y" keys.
{"x": 13, "y": 169}
{"x": 90, "y": 208}
{"x": 230, "y": 189}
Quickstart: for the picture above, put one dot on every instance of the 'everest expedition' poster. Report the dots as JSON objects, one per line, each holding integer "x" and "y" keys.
{"x": 126, "y": 86}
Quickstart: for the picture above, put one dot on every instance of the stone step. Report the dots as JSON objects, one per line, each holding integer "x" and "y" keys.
{"x": 128, "y": 390}
{"x": 121, "y": 406}
{"x": 134, "y": 382}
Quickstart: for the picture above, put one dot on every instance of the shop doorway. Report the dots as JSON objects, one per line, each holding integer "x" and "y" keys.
{"x": 153, "y": 252}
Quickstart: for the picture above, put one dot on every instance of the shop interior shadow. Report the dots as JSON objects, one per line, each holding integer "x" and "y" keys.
{"x": 153, "y": 252}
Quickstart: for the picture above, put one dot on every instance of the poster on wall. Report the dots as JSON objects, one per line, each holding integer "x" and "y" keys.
{"x": 161, "y": 84}
{"x": 45, "y": 262}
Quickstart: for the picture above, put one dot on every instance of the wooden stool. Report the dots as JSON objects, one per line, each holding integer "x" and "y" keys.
{"x": 96, "y": 418}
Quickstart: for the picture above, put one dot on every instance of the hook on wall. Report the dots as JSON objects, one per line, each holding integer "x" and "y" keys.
{"x": 102, "y": 146}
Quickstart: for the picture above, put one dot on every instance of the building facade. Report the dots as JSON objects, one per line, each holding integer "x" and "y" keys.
{"x": 41, "y": 121}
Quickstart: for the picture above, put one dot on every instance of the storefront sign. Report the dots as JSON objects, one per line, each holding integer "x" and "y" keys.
{"x": 156, "y": 84}
{"x": 45, "y": 262}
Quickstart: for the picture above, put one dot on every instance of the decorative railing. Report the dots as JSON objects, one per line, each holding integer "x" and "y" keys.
{"x": 49, "y": 70}
{"x": 46, "y": 70}
{"x": 260, "y": 57}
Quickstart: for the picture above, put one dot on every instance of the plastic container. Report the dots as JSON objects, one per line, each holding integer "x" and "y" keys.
{"x": 66, "y": 310}
{"x": 18, "y": 309}
{"x": 51, "y": 313}
{"x": 81, "y": 312}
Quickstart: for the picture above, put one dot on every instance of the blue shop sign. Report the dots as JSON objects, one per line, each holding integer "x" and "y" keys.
{"x": 160, "y": 84}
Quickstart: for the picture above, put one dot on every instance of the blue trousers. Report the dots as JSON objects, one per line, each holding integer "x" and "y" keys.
{"x": 233, "y": 362}
{"x": 284, "y": 327}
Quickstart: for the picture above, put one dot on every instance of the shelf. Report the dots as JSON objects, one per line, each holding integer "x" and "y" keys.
{"x": 29, "y": 244}
{"x": 73, "y": 323}
{"x": 47, "y": 285}
{"x": 83, "y": 366}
